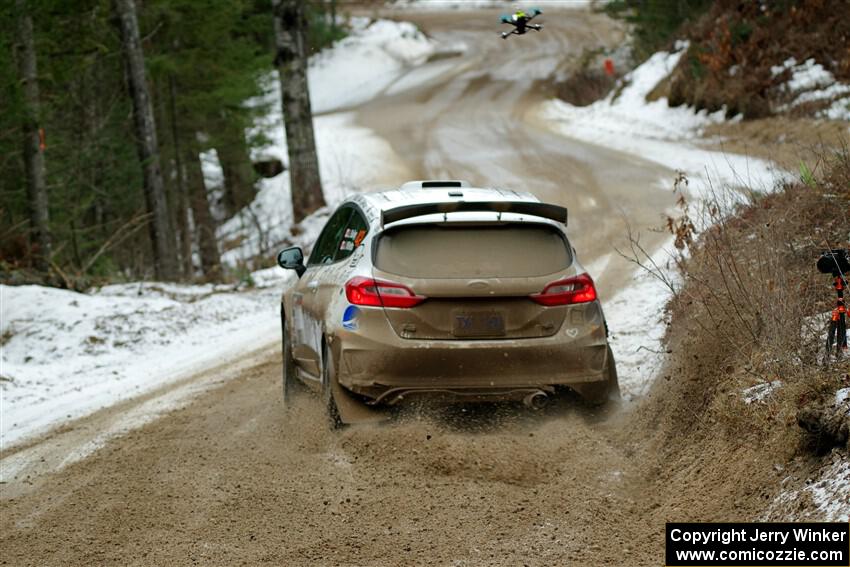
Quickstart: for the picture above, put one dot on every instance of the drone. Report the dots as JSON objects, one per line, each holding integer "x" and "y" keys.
{"x": 520, "y": 21}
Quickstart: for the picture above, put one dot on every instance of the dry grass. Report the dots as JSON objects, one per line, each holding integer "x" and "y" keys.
{"x": 585, "y": 87}
{"x": 735, "y": 44}
{"x": 741, "y": 315}
{"x": 752, "y": 304}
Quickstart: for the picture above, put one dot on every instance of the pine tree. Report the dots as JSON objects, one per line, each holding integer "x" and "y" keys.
{"x": 202, "y": 60}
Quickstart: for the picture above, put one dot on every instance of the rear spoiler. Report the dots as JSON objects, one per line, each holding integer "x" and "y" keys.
{"x": 533, "y": 208}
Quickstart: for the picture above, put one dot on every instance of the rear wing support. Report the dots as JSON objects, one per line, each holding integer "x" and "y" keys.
{"x": 544, "y": 210}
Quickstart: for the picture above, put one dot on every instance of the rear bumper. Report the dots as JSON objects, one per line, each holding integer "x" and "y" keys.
{"x": 384, "y": 368}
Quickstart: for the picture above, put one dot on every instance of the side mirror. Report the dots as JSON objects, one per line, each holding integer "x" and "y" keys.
{"x": 292, "y": 259}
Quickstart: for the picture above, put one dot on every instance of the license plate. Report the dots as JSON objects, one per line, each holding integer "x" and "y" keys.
{"x": 478, "y": 324}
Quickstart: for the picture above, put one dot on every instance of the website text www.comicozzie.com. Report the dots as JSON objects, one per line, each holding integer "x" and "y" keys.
{"x": 820, "y": 544}
{"x": 760, "y": 555}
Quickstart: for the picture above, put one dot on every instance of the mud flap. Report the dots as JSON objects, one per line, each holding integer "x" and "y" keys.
{"x": 352, "y": 411}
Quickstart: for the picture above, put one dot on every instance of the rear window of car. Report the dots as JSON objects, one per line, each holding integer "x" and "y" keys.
{"x": 472, "y": 251}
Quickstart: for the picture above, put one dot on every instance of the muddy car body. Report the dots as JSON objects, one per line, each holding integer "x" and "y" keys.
{"x": 443, "y": 291}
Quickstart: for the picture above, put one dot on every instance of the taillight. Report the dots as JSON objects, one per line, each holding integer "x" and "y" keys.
{"x": 579, "y": 289}
{"x": 380, "y": 293}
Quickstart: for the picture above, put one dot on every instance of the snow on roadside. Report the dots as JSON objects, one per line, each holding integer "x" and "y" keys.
{"x": 831, "y": 492}
{"x": 823, "y": 496}
{"x": 363, "y": 64}
{"x": 636, "y": 324}
{"x": 66, "y": 354}
{"x": 654, "y": 131}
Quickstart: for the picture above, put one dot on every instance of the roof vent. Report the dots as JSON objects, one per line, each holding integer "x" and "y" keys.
{"x": 434, "y": 184}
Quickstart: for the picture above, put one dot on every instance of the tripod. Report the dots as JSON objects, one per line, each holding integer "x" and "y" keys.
{"x": 837, "y": 332}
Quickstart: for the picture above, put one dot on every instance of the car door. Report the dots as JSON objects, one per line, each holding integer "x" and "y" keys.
{"x": 308, "y": 312}
{"x": 333, "y": 276}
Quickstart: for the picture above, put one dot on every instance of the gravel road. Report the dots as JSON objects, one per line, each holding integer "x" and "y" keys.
{"x": 211, "y": 471}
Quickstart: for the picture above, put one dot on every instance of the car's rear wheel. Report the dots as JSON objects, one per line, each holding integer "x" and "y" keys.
{"x": 291, "y": 386}
{"x": 328, "y": 382}
{"x": 605, "y": 392}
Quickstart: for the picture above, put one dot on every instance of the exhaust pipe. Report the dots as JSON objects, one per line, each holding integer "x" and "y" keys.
{"x": 536, "y": 400}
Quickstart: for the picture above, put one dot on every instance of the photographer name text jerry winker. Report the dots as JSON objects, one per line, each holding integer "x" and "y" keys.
{"x": 757, "y": 534}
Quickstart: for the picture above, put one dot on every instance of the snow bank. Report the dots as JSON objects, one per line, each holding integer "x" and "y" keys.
{"x": 654, "y": 131}
{"x": 66, "y": 354}
{"x": 831, "y": 492}
{"x": 362, "y": 65}
{"x": 636, "y": 324}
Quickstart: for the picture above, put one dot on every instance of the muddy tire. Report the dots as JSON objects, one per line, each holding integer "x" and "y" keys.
{"x": 328, "y": 378}
{"x": 291, "y": 386}
{"x": 607, "y": 392}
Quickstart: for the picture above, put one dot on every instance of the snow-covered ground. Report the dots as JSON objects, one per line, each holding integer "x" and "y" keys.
{"x": 66, "y": 354}
{"x": 636, "y": 322}
{"x": 366, "y": 62}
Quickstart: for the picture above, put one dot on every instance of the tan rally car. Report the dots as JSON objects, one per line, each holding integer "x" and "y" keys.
{"x": 443, "y": 291}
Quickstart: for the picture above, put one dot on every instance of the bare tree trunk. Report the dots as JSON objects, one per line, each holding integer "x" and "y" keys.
{"x": 160, "y": 100}
{"x": 204, "y": 222}
{"x": 290, "y": 38}
{"x": 183, "y": 221}
{"x": 165, "y": 254}
{"x": 33, "y": 148}
{"x": 235, "y": 159}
